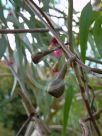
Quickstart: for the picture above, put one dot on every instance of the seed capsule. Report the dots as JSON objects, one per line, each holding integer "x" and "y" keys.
{"x": 57, "y": 86}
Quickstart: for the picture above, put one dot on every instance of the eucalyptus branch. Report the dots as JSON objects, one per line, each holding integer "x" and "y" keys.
{"x": 96, "y": 70}
{"x": 24, "y": 124}
{"x": 85, "y": 128}
{"x": 87, "y": 68}
{"x": 69, "y": 54}
{"x": 70, "y": 19}
{"x": 96, "y": 115}
{"x": 80, "y": 72}
{"x": 40, "y": 55}
{"x": 54, "y": 16}
{"x": 81, "y": 82}
{"x": 93, "y": 60}
{"x": 35, "y": 30}
{"x": 36, "y": 58}
{"x": 56, "y": 9}
{"x": 39, "y": 125}
{"x": 17, "y": 77}
{"x": 47, "y": 22}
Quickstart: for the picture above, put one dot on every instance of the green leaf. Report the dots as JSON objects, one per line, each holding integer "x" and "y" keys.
{"x": 3, "y": 44}
{"x": 14, "y": 86}
{"x": 86, "y": 19}
{"x": 19, "y": 25}
{"x": 97, "y": 32}
{"x": 68, "y": 101}
{"x": 20, "y": 56}
{"x": 93, "y": 45}
{"x": 46, "y": 3}
{"x": 2, "y": 14}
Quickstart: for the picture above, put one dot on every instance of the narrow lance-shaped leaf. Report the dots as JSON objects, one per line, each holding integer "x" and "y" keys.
{"x": 2, "y": 18}
{"x": 3, "y": 44}
{"x": 19, "y": 25}
{"x": 97, "y": 32}
{"x": 86, "y": 19}
{"x": 68, "y": 101}
{"x": 93, "y": 46}
{"x": 14, "y": 86}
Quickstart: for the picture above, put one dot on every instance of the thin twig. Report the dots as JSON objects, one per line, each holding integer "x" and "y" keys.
{"x": 90, "y": 113}
{"x": 35, "y": 30}
{"x": 85, "y": 128}
{"x": 24, "y": 125}
{"x": 94, "y": 60}
{"x": 36, "y": 58}
{"x": 96, "y": 70}
{"x": 61, "y": 12}
{"x": 55, "y": 16}
{"x": 96, "y": 115}
{"x": 23, "y": 89}
{"x": 70, "y": 18}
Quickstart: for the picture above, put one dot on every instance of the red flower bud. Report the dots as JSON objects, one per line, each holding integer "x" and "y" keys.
{"x": 11, "y": 61}
{"x": 10, "y": 14}
{"x": 58, "y": 53}
{"x": 54, "y": 41}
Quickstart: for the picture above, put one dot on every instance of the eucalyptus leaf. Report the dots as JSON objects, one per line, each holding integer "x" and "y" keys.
{"x": 3, "y": 45}
{"x": 14, "y": 86}
{"x": 2, "y": 14}
{"x": 93, "y": 45}
{"x": 97, "y": 32}
{"x": 86, "y": 19}
{"x": 20, "y": 56}
{"x": 46, "y": 4}
{"x": 68, "y": 101}
{"x": 19, "y": 25}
